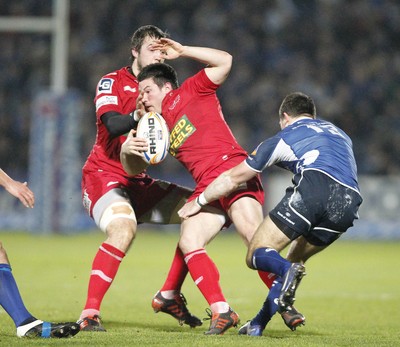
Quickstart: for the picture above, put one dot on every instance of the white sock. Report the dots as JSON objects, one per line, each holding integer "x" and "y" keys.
{"x": 90, "y": 312}
{"x": 219, "y": 307}
{"x": 169, "y": 294}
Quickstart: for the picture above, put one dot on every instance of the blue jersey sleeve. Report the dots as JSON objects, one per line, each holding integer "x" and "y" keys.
{"x": 273, "y": 151}
{"x": 309, "y": 144}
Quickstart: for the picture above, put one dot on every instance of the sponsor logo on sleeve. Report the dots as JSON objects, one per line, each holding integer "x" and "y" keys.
{"x": 106, "y": 100}
{"x": 105, "y": 86}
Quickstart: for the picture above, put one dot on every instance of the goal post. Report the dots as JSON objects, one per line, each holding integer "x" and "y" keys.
{"x": 55, "y": 162}
{"x": 54, "y": 155}
{"x": 58, "y": 27}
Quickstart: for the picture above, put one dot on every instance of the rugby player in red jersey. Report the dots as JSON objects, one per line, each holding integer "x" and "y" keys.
{"x": 202, "y": 141}
{"x": 117, "y": 201}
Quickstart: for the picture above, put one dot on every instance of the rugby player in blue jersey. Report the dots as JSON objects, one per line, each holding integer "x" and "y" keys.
{"x": 316, "y": 210}
{"x": 10, "y": 297}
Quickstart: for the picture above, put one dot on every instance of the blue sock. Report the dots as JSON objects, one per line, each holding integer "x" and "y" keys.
{"x": 269, "y": 306}
{"x": 10, "y": 298}
{"x": 268, "y": 259}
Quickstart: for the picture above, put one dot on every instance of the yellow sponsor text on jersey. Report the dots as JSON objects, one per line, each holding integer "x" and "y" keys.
{"x": 179, "y": 134}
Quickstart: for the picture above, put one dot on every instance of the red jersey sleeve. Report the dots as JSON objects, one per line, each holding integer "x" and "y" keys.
{"x": 116, "y": 91}
{"x": 200, "y": 84}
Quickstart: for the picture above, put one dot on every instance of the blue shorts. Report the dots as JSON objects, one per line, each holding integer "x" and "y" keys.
{"x": 317, "y": 207}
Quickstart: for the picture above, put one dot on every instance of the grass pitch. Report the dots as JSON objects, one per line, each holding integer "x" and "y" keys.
{"x": 350, "y": 296}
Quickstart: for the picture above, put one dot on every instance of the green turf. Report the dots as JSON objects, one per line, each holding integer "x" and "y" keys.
{"x": 350, "y": 296}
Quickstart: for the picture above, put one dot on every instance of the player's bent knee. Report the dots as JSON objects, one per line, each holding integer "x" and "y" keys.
{"x": 121, "y": 209}
{"x": 186, "y": 246}
{"x": 249, "y": 260}
{"x": 249, "y": 256}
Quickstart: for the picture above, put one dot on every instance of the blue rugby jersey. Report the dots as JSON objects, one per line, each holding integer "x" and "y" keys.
{"x": 309, "y": 144}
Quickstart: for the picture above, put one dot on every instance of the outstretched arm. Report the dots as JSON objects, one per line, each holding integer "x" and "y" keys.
{"x": 18, "y": 189}
{"x": 223, "y": 185}
{"x": 219, "y": 62}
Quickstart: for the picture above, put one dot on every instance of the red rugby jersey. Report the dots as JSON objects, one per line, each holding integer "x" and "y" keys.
{"x": 200, "y": 138}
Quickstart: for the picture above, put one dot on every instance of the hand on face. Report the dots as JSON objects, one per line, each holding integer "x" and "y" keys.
{"x": 151, "y": 96}
{"x": 170, "y": 49}
{"x": 140, "y": 108}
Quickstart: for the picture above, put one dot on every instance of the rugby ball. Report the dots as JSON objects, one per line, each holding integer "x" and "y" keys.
{"x": 153, "y": 127}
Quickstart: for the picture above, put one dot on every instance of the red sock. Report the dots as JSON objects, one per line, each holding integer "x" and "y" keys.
{"x": 104, "y": 269}
{"x": 267, "y": 277}
{"x": 177, "y": 272}
{"x": 205, "y": 275}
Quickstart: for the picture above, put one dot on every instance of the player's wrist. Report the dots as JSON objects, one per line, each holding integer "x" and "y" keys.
{"x": 134, "y": 119}
{"x": 201, "y": 200}
{"x": 135, "y": 115}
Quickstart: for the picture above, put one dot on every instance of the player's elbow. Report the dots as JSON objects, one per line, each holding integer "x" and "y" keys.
{"x": 228, "y": 59}
{"x": 225, "y": 64}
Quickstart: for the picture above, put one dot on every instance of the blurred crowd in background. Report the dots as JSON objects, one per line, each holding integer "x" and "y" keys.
{"x": 345, "y": 54}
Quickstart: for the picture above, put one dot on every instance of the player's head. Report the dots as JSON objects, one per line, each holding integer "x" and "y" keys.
{"x": 296, "y": 105}
{"x": 141, "y": 50}
{"x": 156, "y": 81}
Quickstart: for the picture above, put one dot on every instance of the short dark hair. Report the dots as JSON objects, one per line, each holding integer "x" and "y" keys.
{"x": 297, "y": 104}
{"x": 160, "y": 73}
{"x": 141, "y": 33}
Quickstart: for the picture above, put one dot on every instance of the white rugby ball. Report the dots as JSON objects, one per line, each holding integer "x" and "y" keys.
{"x": 153, "y": 127}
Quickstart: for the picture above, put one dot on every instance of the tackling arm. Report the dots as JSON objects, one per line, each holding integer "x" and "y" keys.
{"x": 223, "y": 185}
{"x": 228, "y": 182}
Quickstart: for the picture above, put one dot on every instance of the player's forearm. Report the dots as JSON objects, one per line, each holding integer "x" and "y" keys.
{"x": 226, "y": 183}
{"x": 221, "y": 186}
{"x": 5, "y": 180}
{"x": 206, "y": 55}
{"x": 118, "y": 124}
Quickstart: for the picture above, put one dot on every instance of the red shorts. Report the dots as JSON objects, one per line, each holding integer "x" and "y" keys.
{"x": 144, "y": 192}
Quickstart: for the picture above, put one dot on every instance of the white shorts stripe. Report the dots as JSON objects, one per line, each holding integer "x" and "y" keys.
{"x": 329, "y": 230}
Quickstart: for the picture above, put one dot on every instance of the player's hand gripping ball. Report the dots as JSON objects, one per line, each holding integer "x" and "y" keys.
{"x": 153, "y": 127}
